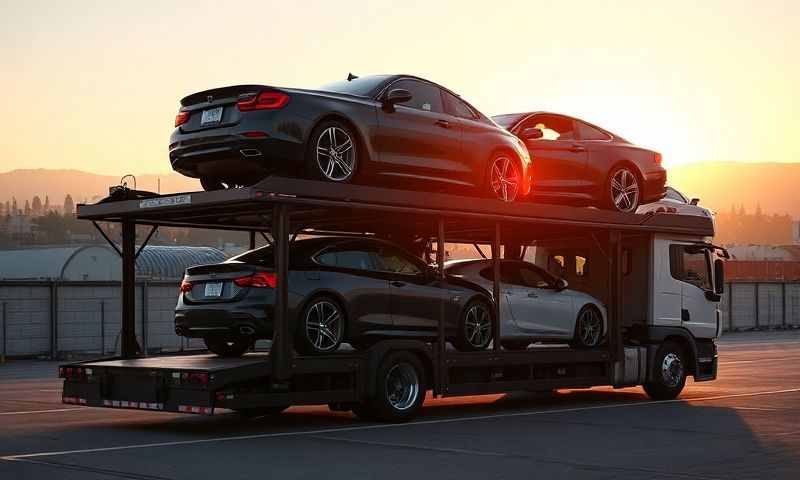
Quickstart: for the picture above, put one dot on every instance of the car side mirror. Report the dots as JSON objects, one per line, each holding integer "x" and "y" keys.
{"x": 561, "y": 284}
{"x": 694, "y": 201}
{"x": 395, "y": 96}
{"x": 719, "y": 276}
{"x": 531, "y": 133}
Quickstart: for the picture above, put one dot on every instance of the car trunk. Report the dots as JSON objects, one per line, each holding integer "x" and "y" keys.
{"x": 215, "y": 283}
{"x": 216, "y": 108}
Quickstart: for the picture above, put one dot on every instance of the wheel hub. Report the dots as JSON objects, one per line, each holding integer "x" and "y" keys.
{"x": 625, "y": 190}
{"x": 672, "y": 370}
{"x": 402, "y": 386}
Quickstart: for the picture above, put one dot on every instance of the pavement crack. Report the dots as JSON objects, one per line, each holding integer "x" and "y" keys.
{"x": 82, "y": 468}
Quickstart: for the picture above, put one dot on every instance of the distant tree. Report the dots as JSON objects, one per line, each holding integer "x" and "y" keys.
{"x": 51, "y": 228}
{"x": 27, "y": 210}
{"x": 36, "y": 206}
{"x": 69, "y": 205}
{"x": 46, "y": 203}
{"x": 13, "y": 205}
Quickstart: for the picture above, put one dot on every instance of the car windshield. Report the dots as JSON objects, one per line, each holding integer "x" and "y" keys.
{"x": 361, "y": 86}
{"x": 508, "y": 120}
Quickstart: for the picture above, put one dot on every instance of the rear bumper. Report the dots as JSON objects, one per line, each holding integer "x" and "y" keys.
{"x": 655, "y": 186}
{"x": 234, "y": 158}
{"x": 203, "y": 322}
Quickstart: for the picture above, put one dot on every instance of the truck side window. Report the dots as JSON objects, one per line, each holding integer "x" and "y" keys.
{"x": 555, "y": 265}
{"x": 581, "y": 267}
{"x": 690, "y": 265}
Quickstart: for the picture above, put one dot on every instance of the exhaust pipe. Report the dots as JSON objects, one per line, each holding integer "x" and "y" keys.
{"x": 250, "y": 152}
{"x": 247, "y": 330}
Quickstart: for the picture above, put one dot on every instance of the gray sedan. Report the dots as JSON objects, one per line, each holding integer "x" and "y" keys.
{"x": 536, "y": 306}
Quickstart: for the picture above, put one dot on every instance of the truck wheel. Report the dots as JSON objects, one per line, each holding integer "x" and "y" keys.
{"x": 669, "y": 372}
{"x": 400, "y": 390}
{"x": 321, "y": 326}
{"x": 474, "y": 327}
{"x": 228, "y": 347}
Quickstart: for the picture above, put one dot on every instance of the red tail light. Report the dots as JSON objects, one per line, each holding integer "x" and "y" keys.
{"x": 258, "y": 280}
{"x": 181, "y": 118}
{"x": 186, "y": 286}
{"x": 264, "y": 101}
{"x": 658, "y": 158}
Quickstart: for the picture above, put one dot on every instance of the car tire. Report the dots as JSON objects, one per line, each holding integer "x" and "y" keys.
{"x": 228, "y": 347}
{"x": 474, "y": 327}
{"x": 332, "y": 152}
{"x": 515, "y": 345}
{"x": 623, "y": 190}
{"x": 321, "y": 326}
{"x": 400, "y": 390}
{"x": 669, "y": 372}
{"x": 588, "y": 331}
{"x": 504, "y": 171}
{"x": 210, "y": 184}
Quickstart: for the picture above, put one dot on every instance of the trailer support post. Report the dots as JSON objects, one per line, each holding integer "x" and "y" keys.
{"x": 615, "y": 342}
{"x": 496, "y": 286}
{"x": 252, "y": 240}
{"x": 440, "y": 384}
{"x": 281, "y": 350}
{"x": 129, "y": 344}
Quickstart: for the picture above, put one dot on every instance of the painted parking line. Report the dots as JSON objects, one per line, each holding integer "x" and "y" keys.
{"x": 55, "y": 410}
{"x": 387, "y": 426}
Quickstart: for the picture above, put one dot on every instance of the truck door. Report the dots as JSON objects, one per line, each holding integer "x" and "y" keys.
{"x": 691, "y": 265}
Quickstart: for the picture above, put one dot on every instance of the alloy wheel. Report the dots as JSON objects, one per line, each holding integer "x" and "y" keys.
{"x": 478, "y": 326}
{"x": 672, "y": 370}
{"x": 625, "y": 190}
{"x": 402, "y": 386}
{"x": 505, "y": 179}
{"x": 336, "y": 155}
{"x": 324, "y": 326}
{"x": 590, "y": 327}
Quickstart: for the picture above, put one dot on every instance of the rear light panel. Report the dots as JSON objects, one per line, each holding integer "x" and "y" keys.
{"x": 75, "y": 373}
{"x": 658, "y": 158}
{"x": 269, "y": 100}
{"x": 258, "y": 280}
{"x": 191, "y": 378}
{"x": 181, "y": 118}
{"x": 186, "y": 286}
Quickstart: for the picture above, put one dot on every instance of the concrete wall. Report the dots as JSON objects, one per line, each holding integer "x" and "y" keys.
{"x": 57, "y": 319}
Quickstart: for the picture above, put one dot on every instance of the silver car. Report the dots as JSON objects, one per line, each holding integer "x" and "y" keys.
{"x": 536, "y": 306}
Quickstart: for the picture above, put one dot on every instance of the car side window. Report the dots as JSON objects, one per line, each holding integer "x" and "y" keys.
{"x": 553, "y": 127}
{"x": 534, "y": 278}
{"x": 588, "y": 132}
{"x": 345, "y": 257}
{"x": 424, "y": 96}
{"x": 456, "y": 107}
{"x": 390, "y": 259}
{"x": 676, "y": 196}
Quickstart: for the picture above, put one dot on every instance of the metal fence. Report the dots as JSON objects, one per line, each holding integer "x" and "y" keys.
{"x": 56, "y": 319}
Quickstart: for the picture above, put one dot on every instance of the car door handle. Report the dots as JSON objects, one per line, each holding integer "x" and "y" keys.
{"x": 533, "y": 295}
{"x": 398, "y": 283}
{"x": 443, "y": 123}
{"x": 577, "y": 148}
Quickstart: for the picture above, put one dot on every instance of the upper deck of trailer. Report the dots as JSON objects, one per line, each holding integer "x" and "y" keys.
{"x": 322, "y": 206}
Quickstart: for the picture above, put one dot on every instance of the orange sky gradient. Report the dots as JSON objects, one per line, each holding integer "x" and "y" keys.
{"x": 95, "y": 85}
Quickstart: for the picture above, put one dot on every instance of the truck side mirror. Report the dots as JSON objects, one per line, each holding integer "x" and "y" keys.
{"x": 719, "y": 276}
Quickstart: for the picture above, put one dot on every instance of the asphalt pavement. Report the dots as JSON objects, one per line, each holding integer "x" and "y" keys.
{"x": 743, "y": 425}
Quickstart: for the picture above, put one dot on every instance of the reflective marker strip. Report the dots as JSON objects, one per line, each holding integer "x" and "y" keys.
{"x": 192, "y": 409}
{"x": 136, "y": 405}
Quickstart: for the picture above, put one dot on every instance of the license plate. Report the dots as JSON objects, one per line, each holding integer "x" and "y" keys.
{"x": 213, "y": 289}
{"x": 210, "y": 116}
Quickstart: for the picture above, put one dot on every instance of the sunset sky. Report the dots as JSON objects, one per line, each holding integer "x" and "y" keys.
{"x": 95, "y": 85}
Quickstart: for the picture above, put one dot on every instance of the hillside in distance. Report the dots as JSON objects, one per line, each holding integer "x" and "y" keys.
{"x": 719, "y": 185}
{"x": 24, "y": 184}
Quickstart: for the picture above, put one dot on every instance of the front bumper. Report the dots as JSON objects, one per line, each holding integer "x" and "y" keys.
{"x": 655, "y": 186}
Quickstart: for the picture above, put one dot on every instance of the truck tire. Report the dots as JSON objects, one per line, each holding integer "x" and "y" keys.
{"x": 669, "y": 372}
{"x": 400, "y": 390}
{"x": 228, "y": 347}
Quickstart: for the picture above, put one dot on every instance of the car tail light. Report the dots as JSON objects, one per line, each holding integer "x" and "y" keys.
{"x": 255, "y": 134}
{"x": 258, "y": 280}
{"x": 181, "y": 118}
{"x": 268, "y": 100}
{"x": 74, "y": 373}
{"x": 658, "y": 158}
{"x": 186, "y": 286}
